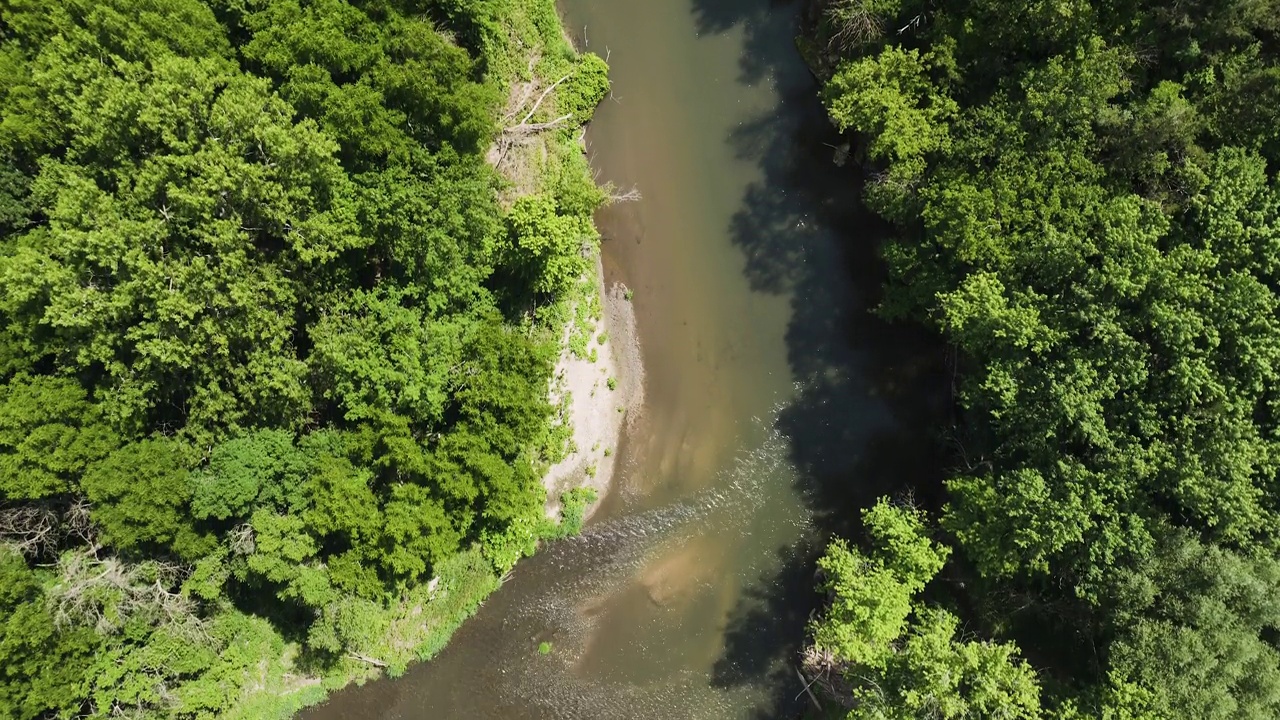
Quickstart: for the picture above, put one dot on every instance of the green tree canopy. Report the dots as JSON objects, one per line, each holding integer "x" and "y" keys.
{"x": 1085, "y": 203}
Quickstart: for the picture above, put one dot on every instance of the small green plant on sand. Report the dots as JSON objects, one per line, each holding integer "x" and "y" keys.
{"x": 573, "y": 511}
{"x": 544, "y": 648}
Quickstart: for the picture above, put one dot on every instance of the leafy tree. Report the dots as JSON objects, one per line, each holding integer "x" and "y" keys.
{"x": 42, "y": 669}
{"x": 266, "y": 336}
{"x": 890, "y": 98}
{"x": 341, "y": 499}
{"x": 374, "y": 355}
{"x": 260, "y": 468}
{"x": 1193, "y": 631}
{"x": 545, "y": 247}
{"x": 417, "y": 532}
{"x": 934, "y": 675}
{"x": 284, "y": 555}
{"x": 1085, "y": 203}
{"x": 902, "y": 659}
{"x": 587, "y": 86}
{"x": 50, "y": 434}
{"x": 140, "y": 495}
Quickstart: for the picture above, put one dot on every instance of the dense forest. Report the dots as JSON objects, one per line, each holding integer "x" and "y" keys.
{"x": 275, "y": 338}
{"x": 1086, "y": 209}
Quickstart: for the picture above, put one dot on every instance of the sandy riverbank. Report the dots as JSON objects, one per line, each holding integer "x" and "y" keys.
{"x": 598, "y": 413}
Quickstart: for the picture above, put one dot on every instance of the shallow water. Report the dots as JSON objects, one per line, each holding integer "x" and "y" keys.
{"x": 776, "y": 403}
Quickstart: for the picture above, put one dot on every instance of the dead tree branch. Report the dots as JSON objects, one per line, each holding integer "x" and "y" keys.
{"x": 853, "y": 23}
{"x": 534, "y": 128}
{"x": 366, "y": 659}
{"x": 44, "y": 528}
{"x": 542, "y": 97}
{"x": 241, "y": 539}
{"x": 104, "y": 593}
{"x": 33, "y": 529}
{"x": 631, "y": 195}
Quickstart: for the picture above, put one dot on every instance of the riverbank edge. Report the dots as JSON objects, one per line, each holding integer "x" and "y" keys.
{"x": 829, "y": 696}
{"x": 613, "y": 391}
{"x": 601, "y": 395}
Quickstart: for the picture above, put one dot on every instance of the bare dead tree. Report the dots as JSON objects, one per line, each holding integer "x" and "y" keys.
{"x": 616, "y": 196}
{"x": 42, "y": 529}
{"x": 853, "y": 23}
{"x": 241, "y": 539}
{"x": 366, "y": 659}
{"x": 526, "y": 90}
{"x": 821, "y": 668}
{"x": 78, "y": 524}
{"x": 105, "y": 592}
{"x": 540, "y": 100}
{"x": 32, "y": 529}
{"x": 912, "y": 24}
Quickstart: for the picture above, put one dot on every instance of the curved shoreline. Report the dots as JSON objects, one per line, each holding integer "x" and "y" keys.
{"x": 597, "y": 411}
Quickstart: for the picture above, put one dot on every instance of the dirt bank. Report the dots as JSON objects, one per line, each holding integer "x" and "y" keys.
{"x": 604, "y": 396}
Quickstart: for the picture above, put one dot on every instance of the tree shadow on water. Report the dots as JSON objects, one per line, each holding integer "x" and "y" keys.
{"x": 767, "y": 26}
{"x": 872, "y": 396}
{"x": 765, "y": 633}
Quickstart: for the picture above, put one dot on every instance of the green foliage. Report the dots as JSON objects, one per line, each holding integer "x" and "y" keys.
{"x": 890, "y": 99}
{"x": 374, "y": 355}
{"x": 264, "y": 368}
{"x": 586, "y": 87}
{"x": 417, "y": 532}
{"x": 49, "y": 434}
{"x": 870, "y": 595}
{"x": 545, "y": 246}
{"x": 1087, "y": 211}
{"x": 258, "y": 468}
{"x": 140, "y": 495}
{"x": 573, "y": 510}
{"x": 1203, "y": 612}
{"x": 42, "y": 670}
{"x": 935, "y": 675}
{"x": 519, "y": 540}
{"x": 901, "y": 658}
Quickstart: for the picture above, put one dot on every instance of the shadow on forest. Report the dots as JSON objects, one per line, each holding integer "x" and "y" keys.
{"x": 872, "y": 396}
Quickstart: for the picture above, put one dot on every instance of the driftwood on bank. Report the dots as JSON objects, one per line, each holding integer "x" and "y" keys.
{"x": 807, "y": 684}
{"x": 526, "y": 128}
{"x": 523, "y": 130}
{"x": 541, "y": 97}
{"x": 366, "y": 659}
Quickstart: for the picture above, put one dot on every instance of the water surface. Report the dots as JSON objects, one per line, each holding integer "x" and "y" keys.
{"x": 776, "y": 403}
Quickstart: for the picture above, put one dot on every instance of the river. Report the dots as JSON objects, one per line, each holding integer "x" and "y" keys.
{"x": 776, "y": 403}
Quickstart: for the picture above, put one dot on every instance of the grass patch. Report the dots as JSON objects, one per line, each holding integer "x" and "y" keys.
{"x": 573, "y": 510}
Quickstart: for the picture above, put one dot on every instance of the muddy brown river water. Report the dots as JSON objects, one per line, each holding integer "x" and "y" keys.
{"x": 775, "y": 403}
